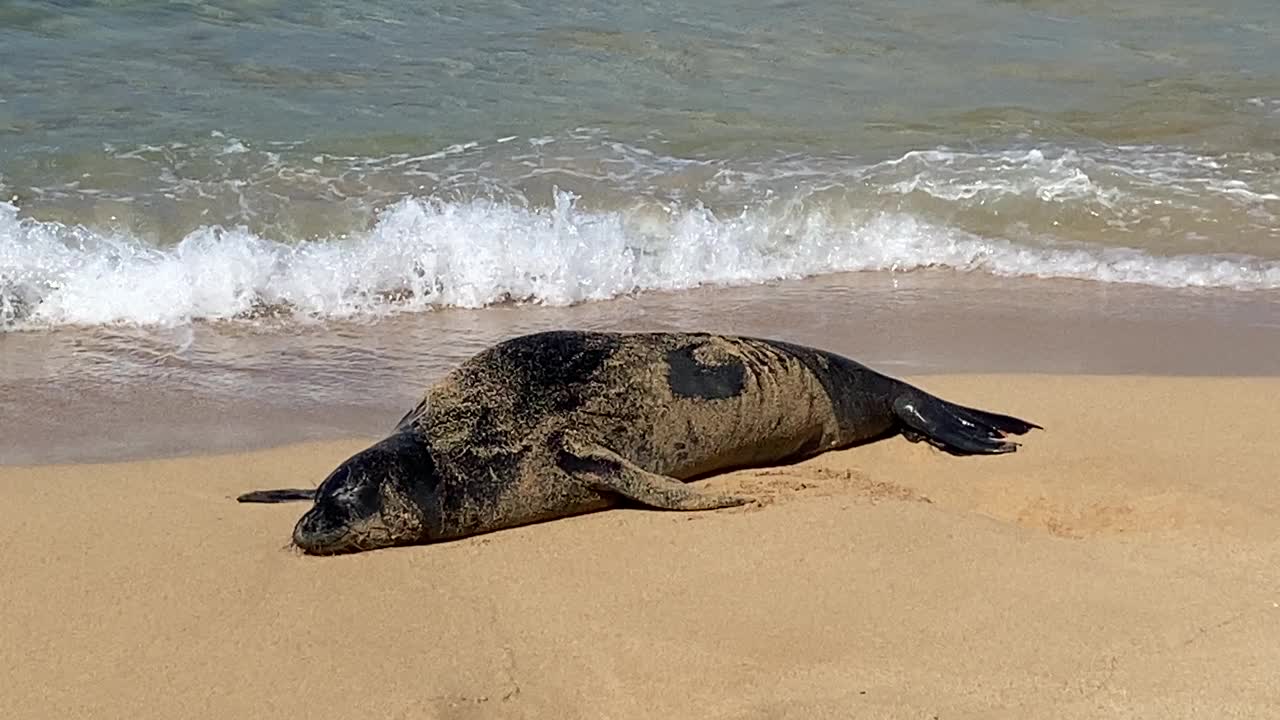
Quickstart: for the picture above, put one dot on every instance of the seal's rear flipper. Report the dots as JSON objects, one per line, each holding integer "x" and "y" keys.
{"x": 957, "y": 429}
{"x": 606, "y": 471}
{"x": 993, "y": 421}
{"x": 277, "y": 496}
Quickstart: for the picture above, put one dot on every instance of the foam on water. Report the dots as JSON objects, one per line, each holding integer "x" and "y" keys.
{"x": 424, "y": 253}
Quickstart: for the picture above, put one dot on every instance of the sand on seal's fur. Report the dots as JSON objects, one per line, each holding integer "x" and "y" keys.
{"x": 1124, "y": 564}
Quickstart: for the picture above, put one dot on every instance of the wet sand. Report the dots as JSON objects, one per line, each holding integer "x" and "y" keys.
{"x": 212, "y": 388}
{"x": 1122, "y": 564}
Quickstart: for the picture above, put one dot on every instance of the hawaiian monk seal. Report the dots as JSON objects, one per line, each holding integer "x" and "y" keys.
{"x": 559, "y": 423}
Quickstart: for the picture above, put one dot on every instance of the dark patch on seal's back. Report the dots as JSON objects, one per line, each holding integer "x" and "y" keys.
{"x": 687, "y": 377}
{"x": 551, "y": 365}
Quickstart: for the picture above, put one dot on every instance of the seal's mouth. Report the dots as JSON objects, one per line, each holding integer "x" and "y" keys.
{"x": 318, "y": 533}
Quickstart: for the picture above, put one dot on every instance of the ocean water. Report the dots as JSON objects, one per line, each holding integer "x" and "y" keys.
{"x": 212, "y": 178}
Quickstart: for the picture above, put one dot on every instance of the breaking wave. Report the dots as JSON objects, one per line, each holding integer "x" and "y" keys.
{"x": 423, "y": 253}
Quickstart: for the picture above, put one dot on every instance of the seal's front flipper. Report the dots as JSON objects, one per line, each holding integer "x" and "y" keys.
{"x": 606, "y": 471}
{"x": 956, "y": 429}
{"x": 277, "y": 496}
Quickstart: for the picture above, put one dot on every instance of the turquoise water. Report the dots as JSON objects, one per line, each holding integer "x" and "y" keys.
{"x": 169, "y": 162}
{"x": 722, "y": 77}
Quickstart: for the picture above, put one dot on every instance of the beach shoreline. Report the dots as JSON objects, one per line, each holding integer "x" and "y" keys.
{"x": 1121, "y": 564}
{"x": 204, "y": 388}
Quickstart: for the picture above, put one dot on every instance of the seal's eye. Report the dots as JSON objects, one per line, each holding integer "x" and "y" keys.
{"x": 360, "y": 497}
{"x": 352, "y": 491}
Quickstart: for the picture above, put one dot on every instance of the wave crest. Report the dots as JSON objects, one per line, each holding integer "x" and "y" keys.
{"x": 424, "y": 253}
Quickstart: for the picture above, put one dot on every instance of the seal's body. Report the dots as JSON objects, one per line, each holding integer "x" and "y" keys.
{"x": 560, "y": 423}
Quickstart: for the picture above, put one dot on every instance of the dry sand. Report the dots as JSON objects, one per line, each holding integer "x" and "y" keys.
{"x": 1125, "y": 563}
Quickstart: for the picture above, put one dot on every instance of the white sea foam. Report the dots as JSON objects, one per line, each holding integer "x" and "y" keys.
{"x": 983, "y": 177}
{"x": 428, "y": 253}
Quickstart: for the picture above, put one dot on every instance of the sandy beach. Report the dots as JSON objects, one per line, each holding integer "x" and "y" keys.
{"x": 1123, "y": 564}
{"x": 239, "y": 240}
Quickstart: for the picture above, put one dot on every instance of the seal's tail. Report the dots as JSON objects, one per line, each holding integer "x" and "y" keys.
{"x": 957, "y": 429}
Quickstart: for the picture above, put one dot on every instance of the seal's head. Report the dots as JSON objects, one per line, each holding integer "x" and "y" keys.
{"x": 375, "y": 499}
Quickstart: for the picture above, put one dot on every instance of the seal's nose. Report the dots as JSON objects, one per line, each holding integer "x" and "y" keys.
{"x": 316, "y": 533}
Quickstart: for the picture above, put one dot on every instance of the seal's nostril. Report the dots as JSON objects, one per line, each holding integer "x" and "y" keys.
{"x": 319, "y": 532}
{"x": 308, "y": 533}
